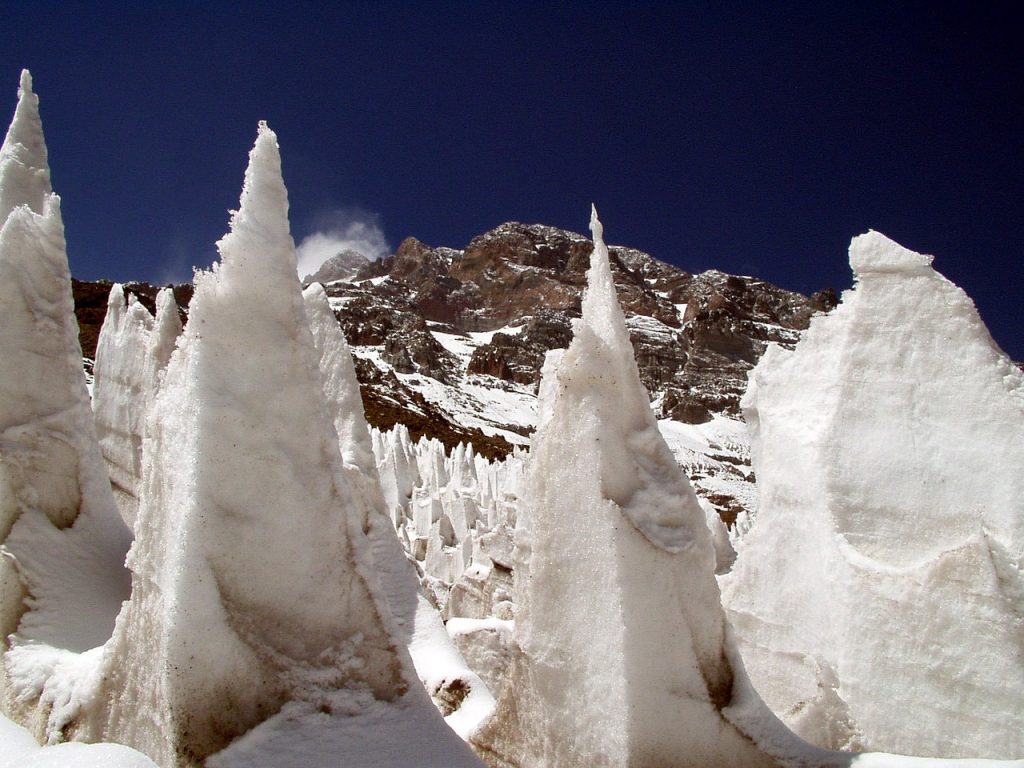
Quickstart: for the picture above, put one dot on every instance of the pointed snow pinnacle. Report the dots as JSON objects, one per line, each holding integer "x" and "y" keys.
{"x": 24, "y": 170}
{"x": 260, "y": 234}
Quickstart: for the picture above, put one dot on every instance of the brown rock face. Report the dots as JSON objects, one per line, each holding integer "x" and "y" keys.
{"x": 695, "y": 336}
{"x": 519, "y": 358}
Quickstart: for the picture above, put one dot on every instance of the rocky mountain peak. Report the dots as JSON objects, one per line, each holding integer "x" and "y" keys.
{"x": 415, "y": 261}
{"x": 342, "y": 266}
{"x": 526, "y": 246}
{"x": 695, "y": 335}
{"x": 451, "y": 342}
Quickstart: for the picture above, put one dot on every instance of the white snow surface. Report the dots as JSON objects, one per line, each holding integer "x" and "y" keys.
{"x": 878, "y": 597}
{"x": 18, "y": 749}
{"x": 355, "y": 734}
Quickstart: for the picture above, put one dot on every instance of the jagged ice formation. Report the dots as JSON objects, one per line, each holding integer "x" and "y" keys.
{"x": 62, "y": 575}
{"x": 268, "y": 577}
{"x": 417, "y": 625}
{"x": 621, "y": 639}
{"x": 132, "y": 351}
{"x": 253, "y": 589}
{"x": 879, "y": 597}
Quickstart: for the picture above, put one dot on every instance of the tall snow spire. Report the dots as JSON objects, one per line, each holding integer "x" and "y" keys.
{"x": 64, "y": 577}
{"x": 243, "y": 479}
{"x": 340, "y": 384}
{"x": 24, "y": 170}
{"x": 259, "y": 228}
{"x": 884, "y": 517}
{"x": 601, "y": 310}
{"x": 620, "y": 638}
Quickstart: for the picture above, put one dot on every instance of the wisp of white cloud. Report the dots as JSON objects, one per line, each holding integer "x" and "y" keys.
{"x": 347, "y": 229}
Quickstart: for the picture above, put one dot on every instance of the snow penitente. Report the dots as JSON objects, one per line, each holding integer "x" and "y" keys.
{"x": 884, "y": 563}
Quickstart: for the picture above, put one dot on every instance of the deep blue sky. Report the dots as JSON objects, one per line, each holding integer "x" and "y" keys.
{"x": 756, "y": 138}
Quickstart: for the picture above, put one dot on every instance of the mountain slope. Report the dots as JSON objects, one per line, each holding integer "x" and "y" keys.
{"x": 450, "y": 342}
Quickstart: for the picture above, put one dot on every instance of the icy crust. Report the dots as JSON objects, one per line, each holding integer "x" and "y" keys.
{"x": 874, "y": 252}
{"x": 62, "y": 576}
{"x": 903, "y": 532}
{"x": 620, "y": 637}
{"x": 251, "y": 571}
{"x": 131, "y": 353}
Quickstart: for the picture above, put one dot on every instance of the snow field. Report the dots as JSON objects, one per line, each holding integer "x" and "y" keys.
{"x": 20, "y": 750}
